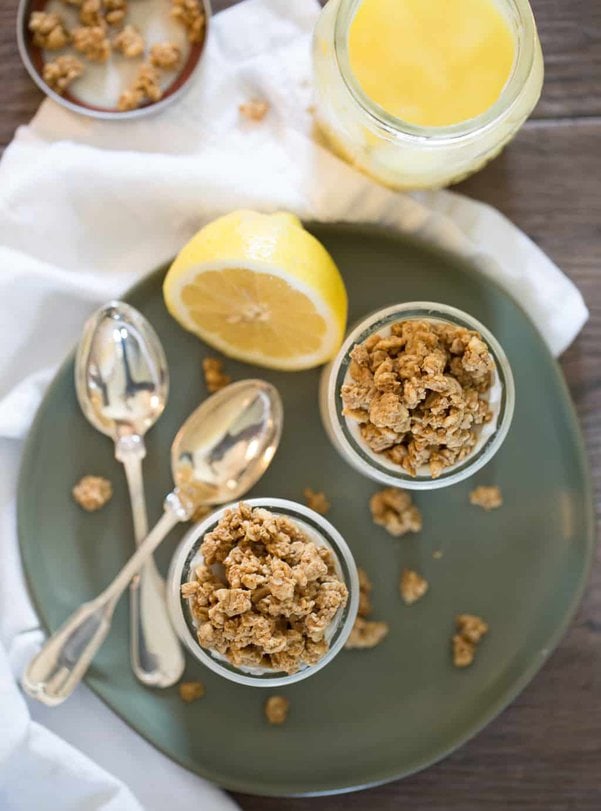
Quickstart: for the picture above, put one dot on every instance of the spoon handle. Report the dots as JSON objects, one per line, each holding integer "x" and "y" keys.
{"x": 156, "y": 655}
{"x": 57, "y": 669}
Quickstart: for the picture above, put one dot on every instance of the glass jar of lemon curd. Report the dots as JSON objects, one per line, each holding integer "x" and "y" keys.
{"x": 421, "y": 93}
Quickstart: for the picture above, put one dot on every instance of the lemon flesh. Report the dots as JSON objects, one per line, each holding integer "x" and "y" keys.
{"x": 261, "y": 289}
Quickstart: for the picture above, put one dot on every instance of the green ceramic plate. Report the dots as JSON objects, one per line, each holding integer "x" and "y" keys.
{"x": 370, "y": 716}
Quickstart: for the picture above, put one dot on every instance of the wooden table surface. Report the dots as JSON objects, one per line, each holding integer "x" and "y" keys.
{"x": 543, "y": 752}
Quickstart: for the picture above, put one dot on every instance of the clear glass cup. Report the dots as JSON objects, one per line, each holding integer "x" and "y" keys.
{"x": 406, "y": 156}
{"x": 187, "y": 556}
{"x": 344, "y": 433}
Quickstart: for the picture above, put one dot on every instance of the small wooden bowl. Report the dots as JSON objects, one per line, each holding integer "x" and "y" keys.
{"x": 33, "y": 59}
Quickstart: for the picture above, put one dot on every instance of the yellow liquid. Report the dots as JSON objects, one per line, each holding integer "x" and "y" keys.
{"x": 431, "y": 62}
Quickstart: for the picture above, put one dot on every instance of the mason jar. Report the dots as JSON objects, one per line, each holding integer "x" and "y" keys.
{"x": 407, "y": 156}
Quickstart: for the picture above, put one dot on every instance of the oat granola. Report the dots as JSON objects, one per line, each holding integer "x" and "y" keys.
{"x": 470, "y": 630}
{"x": 190, "y": 13}
{"x": 276, "y": 709}
{"x": 418, "y": 394}
{"x": 90, "y": 13}
{"x": 316, "y": 501}
{"x": 254, "y": 110}
{"x": 61, "y": 72}
{"x": 48, "y": 30}
{"x": 412, "y": 586}
{"x": 215, "y": 379}
{"x": 365, "y": 589}
{"x": 190, "y": 691}
{"x": 146, "y": 87}
{"x": 92, "y": 492}
{"x": 394, "y": 510}
{"x": 366, "y": 634}
{"x": 129, "y": 41}
{"x": 165, "y": 55}
{"x": 115, "y": 11}
{"x": 489, "y": 498}
{"x": 275, "y": 596}
{"x": 92, "y": 42}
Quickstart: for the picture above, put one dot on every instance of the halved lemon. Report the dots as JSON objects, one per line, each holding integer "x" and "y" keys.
{"x": 261, "y": 289}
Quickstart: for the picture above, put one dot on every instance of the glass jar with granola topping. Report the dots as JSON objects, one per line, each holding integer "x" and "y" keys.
{"x": 264, "y": 592}
{"x": 420, "y": 396}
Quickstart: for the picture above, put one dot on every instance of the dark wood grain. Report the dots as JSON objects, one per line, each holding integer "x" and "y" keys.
{"x": 544, "y": 752}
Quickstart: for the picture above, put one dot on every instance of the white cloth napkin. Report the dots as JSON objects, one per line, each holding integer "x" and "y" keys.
{"x": 87, "y": 208}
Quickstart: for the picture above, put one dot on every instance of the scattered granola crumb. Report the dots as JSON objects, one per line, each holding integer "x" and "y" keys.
{"x": 276, "y": 709}
{"x": 437, "y": 554}
{"x": 215, "y": 379}
{"x": 254, "y": 110}
{"x": 48, "y": 30}
{"x": 129, "y": 42}
{"x": 201, "y": 512}
{"x": 489, "y": 498}
{"x": 275, "y": 598}
{"x": 92, "y": 492}
{"x": 365, "y": 589}
{"x": 394, "y": 510}
{"x": 115, "y": 11}
{"x": 92, "y": 42}
{"x": 61, "y": 72}
{"x": 412, "y": 586}
{"x": 316, "y": 501}
{"x": 190, "y": 691}
{"x": 190, "y": 14}
{"x": 463, "y": 651}
{"x": 470, "y": 629}
{"x": 417, "y": 394}
{"x": 90, "y": 13}
{"x": 146, "y": 87}
{"x": 165, "y": 55}
{"x": 366, "y": 634}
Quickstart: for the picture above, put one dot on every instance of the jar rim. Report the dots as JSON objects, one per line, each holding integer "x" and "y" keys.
{"x": 334, "y": 540}
{"x": 353, "y": 453}
{"x": 522, "y": 21}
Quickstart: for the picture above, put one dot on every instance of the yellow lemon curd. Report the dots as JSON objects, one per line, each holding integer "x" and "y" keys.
{"x": 431, "y": 63}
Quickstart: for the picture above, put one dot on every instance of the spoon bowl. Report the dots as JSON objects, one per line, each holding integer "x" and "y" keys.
{"x": 121, "y": 375}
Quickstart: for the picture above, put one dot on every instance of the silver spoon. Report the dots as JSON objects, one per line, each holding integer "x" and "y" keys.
{"x": 122, "y": 385}
{"x": 222, "y": 449}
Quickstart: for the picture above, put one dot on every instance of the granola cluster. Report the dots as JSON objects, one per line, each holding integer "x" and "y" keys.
{"x": 412, "y": 586}
{"x": 276, "y": 709}
{"x": 254, "y": 110}
{"x": 63, "y": 70}
{"x": 365, "y": 633}
{"x": 165, "y": 55}
{"x": 48, "y": 30}
{"x": 470, "y": 630}
{"x": 489, "y": 498}
{"x": 394, "y": 510}
{"x": 215, "y": 378}
{"x": 275, "y": 596}
{"x": 418, "y": 394}
{"x": 92, "y": 42}
{"x": 146, "y": 87}
{"x": 190, "y": 691}
{"x": 316, "y": 500}
{"x": 92, "y": 492}
{"x": 190, "y": 13}
{"x": 129, "y": 41}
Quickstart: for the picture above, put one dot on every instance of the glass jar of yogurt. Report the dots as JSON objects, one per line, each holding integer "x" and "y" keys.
{"x": 407, "y": 155}
{"x": 345, "y": 432}
{"x": 188, "y": 557}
